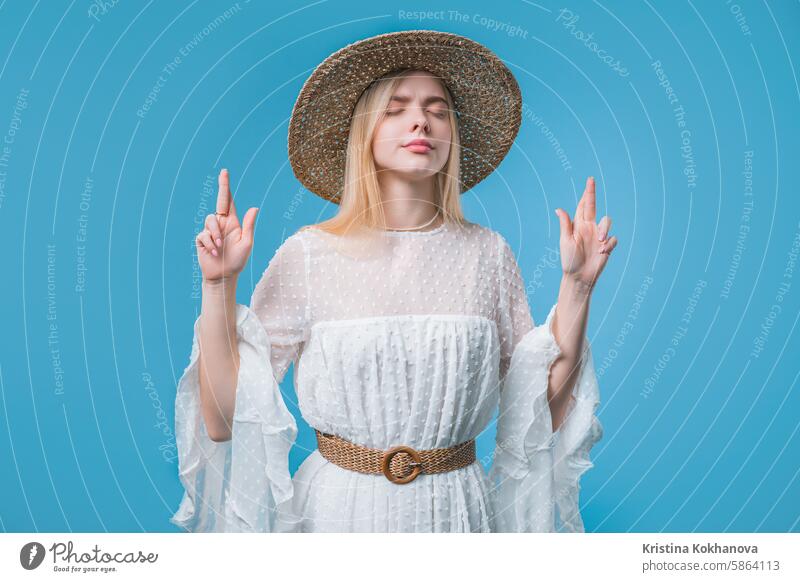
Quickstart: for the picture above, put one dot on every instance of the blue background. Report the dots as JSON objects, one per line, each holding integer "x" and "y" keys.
{"x": 692, "y": 324}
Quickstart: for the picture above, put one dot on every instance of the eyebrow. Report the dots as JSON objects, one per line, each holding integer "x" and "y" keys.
{"x": 426, "y": 101}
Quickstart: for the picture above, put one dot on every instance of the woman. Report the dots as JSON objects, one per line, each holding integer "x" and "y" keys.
{"x": 407, "y": 324}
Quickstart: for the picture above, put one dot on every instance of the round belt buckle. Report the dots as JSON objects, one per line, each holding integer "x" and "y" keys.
{"x": 386, "y": 462}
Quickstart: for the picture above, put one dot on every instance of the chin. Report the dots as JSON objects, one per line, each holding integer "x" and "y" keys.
{"x": 421, "y": 173}
{"x": 414, "y": 173}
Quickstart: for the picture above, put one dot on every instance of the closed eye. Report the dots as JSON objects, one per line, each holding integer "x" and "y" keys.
{"x": 441, "y": 114}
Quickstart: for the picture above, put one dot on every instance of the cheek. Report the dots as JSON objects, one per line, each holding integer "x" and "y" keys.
{"x": 384, "y": 139}
{"x": 389, "y": 130}
{"x": 443, "y": 136}
{"x": 443, "y": 131}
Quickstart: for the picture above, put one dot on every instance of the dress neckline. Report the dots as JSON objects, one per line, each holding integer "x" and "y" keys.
{"x": 390, "y": 232}
{"x": 395, "y": 233}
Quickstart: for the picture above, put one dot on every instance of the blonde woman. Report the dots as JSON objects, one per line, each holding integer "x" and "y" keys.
{"x": 407, "y": 324}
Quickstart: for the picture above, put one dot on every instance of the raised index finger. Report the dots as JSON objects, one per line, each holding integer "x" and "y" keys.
{"x": 590, "y": 211}
{"x": 224, "y": 194}
{"x": 590, "y": 208}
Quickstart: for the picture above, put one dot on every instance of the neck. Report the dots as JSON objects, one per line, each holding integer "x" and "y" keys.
{"x": 408, "y": 204}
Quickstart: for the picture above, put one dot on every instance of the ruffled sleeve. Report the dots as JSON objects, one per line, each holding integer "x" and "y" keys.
{"x": 536, "y": 472}
{"x": 244, "y": 484}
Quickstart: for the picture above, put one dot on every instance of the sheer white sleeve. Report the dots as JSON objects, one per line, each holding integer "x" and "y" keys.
{"x": 244, "y": 484}
{"x": 536, "y": 472}
{"x": 514, "y": 318}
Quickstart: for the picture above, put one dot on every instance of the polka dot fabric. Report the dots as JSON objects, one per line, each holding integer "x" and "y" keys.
{"x": 410, "y": 338}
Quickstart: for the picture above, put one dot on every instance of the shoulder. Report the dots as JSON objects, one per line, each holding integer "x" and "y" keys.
{"x": 478, "y": 232}
{"x": 494, "y": 249}
{"x": 289, "y": 253}
{"x": 296, "y": 242}
{"x": 504, "y": 255}
{"x": 491, "y": 239}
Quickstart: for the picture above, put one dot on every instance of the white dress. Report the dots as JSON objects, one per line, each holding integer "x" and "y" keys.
{"x": 409, "y": 338}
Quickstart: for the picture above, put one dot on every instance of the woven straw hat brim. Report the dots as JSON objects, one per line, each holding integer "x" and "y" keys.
{"x": 485, "y": 93}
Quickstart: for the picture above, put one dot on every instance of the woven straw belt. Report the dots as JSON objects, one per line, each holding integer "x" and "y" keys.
{"x": 400, "y": 464}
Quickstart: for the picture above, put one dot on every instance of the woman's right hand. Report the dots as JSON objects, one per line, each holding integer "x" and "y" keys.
{"x": 224, "y": 245}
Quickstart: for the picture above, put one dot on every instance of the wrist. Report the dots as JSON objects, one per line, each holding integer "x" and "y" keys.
{"x": 576, "y": 287}
{"x": 222, "y": 286}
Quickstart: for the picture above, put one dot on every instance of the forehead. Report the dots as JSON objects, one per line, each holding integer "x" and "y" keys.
{"x": 420, "y": 81}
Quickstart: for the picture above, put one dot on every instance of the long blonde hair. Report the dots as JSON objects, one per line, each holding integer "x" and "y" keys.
{"x": 361, "y": 202}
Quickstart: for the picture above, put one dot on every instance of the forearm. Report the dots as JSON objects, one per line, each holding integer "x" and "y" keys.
{"x": 219, "y": 357}
{"x": 569, "y": 329}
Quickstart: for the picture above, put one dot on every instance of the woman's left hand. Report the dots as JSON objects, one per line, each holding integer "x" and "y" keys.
{"x": 585, "y": 246}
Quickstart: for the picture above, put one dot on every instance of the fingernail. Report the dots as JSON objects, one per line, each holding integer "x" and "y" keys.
{"x": 219, "y": 242}
{"x": 214, "y": 252}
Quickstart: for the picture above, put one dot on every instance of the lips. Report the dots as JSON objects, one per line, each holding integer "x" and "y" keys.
{"x": 419, "y": 146}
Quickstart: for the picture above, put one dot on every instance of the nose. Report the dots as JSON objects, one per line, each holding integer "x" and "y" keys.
{"x": 421, "y": 122}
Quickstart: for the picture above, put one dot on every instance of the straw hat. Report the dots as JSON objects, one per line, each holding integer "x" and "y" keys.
{"x": 485, "y": 92}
